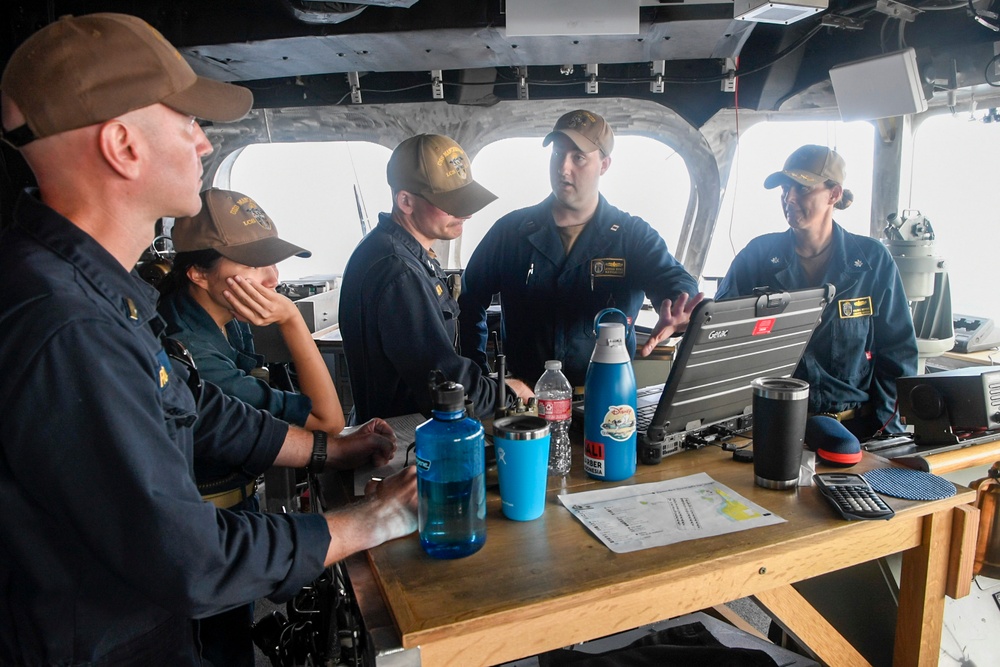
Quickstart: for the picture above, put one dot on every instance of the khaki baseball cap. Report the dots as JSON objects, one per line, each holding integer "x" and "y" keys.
{"x": 84, "y": 70}
{"x": 588, "y": 131}
{"x": 236, "y": 227}
{"x": 436, "y": 168}
{"x": 810, "y": 165}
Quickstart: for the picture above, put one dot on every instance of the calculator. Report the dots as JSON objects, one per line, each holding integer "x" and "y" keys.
{"x": 852, "y": 496}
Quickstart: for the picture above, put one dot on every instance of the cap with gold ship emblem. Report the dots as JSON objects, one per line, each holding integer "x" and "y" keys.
{"x": 235, "y": 226}
{"x": 436, "y": 168}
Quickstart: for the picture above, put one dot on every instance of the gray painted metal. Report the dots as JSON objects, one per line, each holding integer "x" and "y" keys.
{"x": 457, "y": 48}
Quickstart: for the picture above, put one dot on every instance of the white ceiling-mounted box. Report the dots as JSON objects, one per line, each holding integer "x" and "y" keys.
{"x": 783, "y": 13}
{"x": 879, "y": 87}
{"x": 572, "y": 17}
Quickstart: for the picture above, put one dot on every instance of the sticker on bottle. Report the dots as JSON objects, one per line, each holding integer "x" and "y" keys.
{"x": 619, "y": 422}
{"x": 593, "y": 457}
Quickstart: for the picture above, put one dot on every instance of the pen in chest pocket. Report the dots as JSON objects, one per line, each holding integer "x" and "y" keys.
{"x": 531, "y": 269}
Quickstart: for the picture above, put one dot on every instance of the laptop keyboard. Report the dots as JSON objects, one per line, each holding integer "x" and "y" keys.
{"x": 644, "y": 415}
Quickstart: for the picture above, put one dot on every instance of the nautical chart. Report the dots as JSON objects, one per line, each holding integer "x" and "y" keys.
{"x": 630, "y": 518}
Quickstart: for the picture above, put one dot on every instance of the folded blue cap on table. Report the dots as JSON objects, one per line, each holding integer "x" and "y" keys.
{"x": 832, "y": 442}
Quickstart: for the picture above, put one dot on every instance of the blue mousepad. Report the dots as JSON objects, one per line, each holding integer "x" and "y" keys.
{"x": 909, "y": 484}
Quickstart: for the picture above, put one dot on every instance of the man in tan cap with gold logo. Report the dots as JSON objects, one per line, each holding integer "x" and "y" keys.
{"x": 403, "y": 316}
{"x": 106, "y": 547}
{"x": 558, "y": 263}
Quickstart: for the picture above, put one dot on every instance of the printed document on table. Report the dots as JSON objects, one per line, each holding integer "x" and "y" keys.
{"x": 630, "y": 518}
{"x": 405, "y": 428}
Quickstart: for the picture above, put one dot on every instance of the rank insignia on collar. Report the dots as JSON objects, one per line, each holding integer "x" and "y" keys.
{"x": 614, "y": 228}
{"x": 775, "y": 260}
{"x": 133, "y": 312}
{"x": 858, "y": 263}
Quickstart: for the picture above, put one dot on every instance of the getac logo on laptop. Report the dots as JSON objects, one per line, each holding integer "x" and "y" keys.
{"x": 718, "y": 334}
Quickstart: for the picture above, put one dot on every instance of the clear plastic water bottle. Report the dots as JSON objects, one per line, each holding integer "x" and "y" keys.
{"x": 555, "y": 405}
{"x": 451, "y": 477}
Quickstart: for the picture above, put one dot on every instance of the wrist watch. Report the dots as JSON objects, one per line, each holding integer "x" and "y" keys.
{"x": 318, "y": 460}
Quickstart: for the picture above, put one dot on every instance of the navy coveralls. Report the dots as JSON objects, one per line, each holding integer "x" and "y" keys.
{"x": 549, "y": 299}
{"x": 398, "y": 320}
{"x": 865, "y": 339}
{"x": 106, "y": 548}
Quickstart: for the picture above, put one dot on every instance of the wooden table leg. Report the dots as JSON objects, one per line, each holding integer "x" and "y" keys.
{"x": 921, "y": 594}
{"x": 805, "y": 625}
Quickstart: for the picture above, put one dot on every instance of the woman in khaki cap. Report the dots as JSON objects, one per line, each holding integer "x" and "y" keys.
{"x": 223, "y": 279}
{"x": 865, "y": 339}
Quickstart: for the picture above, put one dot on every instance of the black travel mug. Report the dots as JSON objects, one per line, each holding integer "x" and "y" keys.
{"x": 779, "y": 426}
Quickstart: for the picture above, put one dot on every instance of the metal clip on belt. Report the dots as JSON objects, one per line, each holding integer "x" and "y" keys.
{"x": 226, "y": 499}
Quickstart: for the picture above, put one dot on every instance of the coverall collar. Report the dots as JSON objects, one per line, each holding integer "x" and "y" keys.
{"x": 847, "y": 261}
{"x": 542, "y": 232}
{"x": 407, "y": 240}
{"x": 124, "y": 290}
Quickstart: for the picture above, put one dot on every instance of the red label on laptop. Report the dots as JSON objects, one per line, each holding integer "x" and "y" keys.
{"x": 763, "y": 326}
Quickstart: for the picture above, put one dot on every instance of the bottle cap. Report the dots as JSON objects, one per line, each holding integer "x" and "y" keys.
{"x": 610, "y": 347}
{"x": 449, "y": 397}
{"x": 553, "y": 364}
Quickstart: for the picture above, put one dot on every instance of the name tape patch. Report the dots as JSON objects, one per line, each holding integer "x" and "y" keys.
{"x": 607, "y": 267}
{"x": 850, "y": 308}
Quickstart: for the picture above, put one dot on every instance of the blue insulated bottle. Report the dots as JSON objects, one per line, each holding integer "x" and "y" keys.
{"x": 451, "y": 477}
{"x": 609, "y": 417}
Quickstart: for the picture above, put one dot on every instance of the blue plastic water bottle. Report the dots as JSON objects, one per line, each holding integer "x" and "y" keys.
{"x": 609, "y": 417}
{"x": 451, "y": 476}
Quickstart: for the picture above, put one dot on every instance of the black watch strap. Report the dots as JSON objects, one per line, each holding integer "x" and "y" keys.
{"x": 318, "y": 460}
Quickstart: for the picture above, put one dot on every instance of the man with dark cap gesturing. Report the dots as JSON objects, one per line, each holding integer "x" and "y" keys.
{"x": 107, "y": 550}
{"x": 403, "y": 319}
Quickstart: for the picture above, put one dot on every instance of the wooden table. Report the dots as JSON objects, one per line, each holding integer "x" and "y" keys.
{"x": 985, "y": 452}
{"x": 549, "y": 583}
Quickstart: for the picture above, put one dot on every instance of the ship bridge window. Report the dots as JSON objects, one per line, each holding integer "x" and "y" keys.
{"x": 309, "y": 189}
{"x": 748, "y": 210}
{"x": 952, "y": 185}
{"x": 647, "y": 178}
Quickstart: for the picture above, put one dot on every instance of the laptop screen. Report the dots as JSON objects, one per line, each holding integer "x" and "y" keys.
{"x": 726, "y": 346}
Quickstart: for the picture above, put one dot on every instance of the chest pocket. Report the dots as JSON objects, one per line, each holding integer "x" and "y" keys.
{"x": 849, "y": 349}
